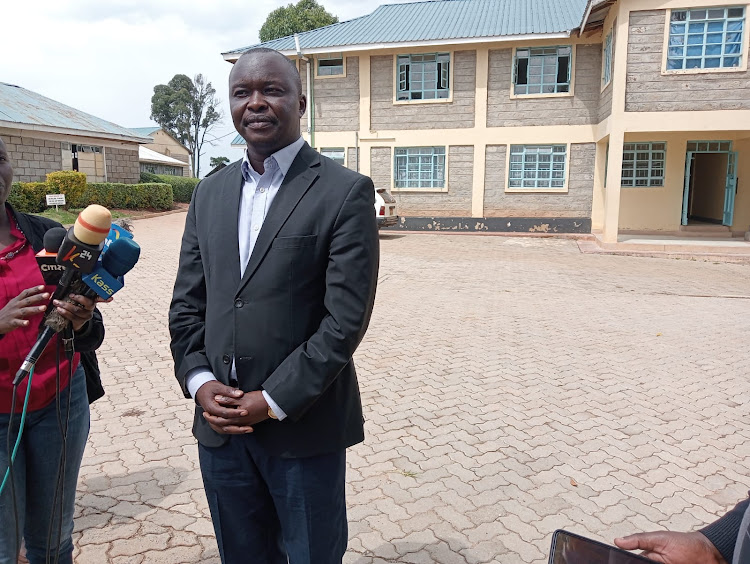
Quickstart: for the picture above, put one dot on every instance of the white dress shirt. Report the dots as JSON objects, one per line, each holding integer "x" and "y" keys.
{"x": 258, "y": 193}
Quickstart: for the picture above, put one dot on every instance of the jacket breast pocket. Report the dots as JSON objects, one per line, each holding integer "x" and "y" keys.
{"x": 294, "y": 242}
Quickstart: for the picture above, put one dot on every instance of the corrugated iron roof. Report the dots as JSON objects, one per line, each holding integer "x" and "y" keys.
{"x": 441, "y": 20}
{"x": 238, "y": 141}
{"x": 26, "y": 108}
{"x": 145, "y": 131}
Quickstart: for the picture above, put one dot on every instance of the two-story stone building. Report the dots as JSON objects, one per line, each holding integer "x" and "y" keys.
{"x": 542, "y": 115}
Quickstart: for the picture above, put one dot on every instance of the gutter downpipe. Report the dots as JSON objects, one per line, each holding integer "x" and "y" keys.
{"x": 310, "y": 104}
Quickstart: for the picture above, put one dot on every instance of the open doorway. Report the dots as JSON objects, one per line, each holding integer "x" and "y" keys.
{"x": 710, "y": 183}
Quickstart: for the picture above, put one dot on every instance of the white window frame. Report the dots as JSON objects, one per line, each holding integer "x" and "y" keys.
{"x": 337, "y": 152}
{"x": 434, "y": 155}
{"x": 330, "y": 57}
{"x": 743, "y": 66}
{"x": 571, "y": 73}
{"x": 643, "y": 159}
{"x": 399, "y": 78}
{"x": 607, "y": 58}
{"x": 537, "y": 189}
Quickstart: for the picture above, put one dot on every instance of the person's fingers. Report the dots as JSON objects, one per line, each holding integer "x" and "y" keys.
{"x": 33, "y": 299}
{"x": 31, "y": 311}
{"x": 237, "y": 430}
{"x": 628, "y": 543}
{"x": 223, "y": 417}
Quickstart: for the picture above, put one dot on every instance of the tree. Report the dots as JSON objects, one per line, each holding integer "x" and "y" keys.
{"x": 216, "y": 161}
{"x": 295, "y": 18}
{"x": 188, "y": 110}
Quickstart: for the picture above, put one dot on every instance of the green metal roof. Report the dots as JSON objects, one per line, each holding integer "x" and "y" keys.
{"x": 28, "y": 110}
{"x": 145, "y": 131}
{"x": 440, "y": 20}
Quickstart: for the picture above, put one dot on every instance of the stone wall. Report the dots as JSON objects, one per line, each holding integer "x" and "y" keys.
{"x": 123, "y": 165}
{"x": 33, "y": 158}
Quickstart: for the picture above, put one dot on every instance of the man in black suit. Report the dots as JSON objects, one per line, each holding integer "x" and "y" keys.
{"x": 274, "y": 292}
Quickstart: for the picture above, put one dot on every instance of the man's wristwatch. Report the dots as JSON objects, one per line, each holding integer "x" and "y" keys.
{"x": 271, "y": 414}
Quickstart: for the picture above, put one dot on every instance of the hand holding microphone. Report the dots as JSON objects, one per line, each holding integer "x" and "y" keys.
{"x": 79, "y": 253}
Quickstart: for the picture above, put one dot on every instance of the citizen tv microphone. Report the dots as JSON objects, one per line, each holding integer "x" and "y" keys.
{"x": 78, "y": 254}
{"x": 119, "y": 259}
{"x": 46, "y": 259}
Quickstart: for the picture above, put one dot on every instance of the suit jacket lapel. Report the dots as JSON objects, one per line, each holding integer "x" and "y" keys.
{"x": 227, "y": 222}
{"x": 297, "y": 182}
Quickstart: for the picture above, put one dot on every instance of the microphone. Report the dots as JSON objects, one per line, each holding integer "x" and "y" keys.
{"x": 46, "y": 259}
{"x": 78, "y": 254}
{"x": 117, "y": 260}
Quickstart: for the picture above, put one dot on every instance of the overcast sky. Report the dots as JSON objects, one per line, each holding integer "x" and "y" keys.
{"x": 105, "y": 58}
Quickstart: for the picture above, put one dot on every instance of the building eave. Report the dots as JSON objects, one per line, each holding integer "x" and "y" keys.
{"x": 76, "y": 132}
{"x": 232, "y": 56}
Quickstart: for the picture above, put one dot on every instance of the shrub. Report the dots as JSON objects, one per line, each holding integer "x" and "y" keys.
{"x": 148, "y": 177}
{"x": 68, "y": 182}
{"x": 182, "y": 186}
{"x": 156, "y": 196}
{"x": 28, "y": 197}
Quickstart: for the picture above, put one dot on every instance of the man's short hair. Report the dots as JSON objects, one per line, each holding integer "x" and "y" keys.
{"x": 290, "y": 62}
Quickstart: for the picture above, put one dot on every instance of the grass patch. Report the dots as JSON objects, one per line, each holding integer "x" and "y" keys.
{"x": 68, "y": 217}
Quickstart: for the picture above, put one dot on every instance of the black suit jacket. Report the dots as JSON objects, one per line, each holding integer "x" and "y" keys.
{"x": 294, "y": 320}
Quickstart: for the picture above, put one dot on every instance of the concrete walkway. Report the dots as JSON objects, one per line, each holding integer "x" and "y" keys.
{"x": 511, "y": 387}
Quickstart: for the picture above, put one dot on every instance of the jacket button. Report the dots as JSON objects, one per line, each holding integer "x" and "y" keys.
{"x": 226, "y": 359}
{"x": 238, "y": 303}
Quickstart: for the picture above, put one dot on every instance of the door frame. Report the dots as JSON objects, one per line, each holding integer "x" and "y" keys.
{"x": 704, "y": 147}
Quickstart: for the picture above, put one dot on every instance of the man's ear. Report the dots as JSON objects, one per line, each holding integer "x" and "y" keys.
{"x": 302, "y": 105}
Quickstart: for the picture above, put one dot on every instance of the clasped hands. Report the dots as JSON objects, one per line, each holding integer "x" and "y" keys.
{"x": 230, "y": 411}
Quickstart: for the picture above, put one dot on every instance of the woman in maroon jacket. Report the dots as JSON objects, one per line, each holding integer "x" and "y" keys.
{"x": 35, "y": 514}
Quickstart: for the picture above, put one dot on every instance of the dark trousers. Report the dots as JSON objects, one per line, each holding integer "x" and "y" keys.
{"x": 273, "y": 510}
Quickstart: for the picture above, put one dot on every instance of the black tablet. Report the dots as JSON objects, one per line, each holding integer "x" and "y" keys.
{"x": 569, "y": 548}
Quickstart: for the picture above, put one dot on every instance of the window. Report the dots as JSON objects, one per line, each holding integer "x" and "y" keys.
{"x": 338, "y": 154}
{"x": 161, "y": 169}
{"x": 420, "y": 167}
{"x": 331, "y": 66}
{"x": 706, "y": 38}
{"x": 537, "y": 166}
{"x": 643, "y": 164}
{"x": 607, "y": 60}
{"x": 423, "y": 77}
{"x": 543, "y": 70}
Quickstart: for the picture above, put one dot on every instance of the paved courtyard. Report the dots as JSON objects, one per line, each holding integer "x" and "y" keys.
{"x": 511, "y": 387}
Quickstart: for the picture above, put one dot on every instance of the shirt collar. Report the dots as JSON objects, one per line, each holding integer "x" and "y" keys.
{"x": 284, "y": 158}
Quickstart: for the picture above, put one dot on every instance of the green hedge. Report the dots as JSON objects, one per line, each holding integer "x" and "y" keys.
{"x": 182, "y": 186}
{"x": 156, "y": 196}
{"x": 68, "y": 182}
{"x": 149, "y": 177}
{"x": 29, "y": 197}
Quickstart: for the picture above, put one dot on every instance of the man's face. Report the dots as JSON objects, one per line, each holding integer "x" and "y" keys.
{"x": 6, "y": 173}
{"x": 265, "y": 102}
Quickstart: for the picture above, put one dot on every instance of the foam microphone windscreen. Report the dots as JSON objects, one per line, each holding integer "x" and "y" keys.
{"x": 46, "y": 259}
{"x": 121, "y": 257}
{"x": 92, "y": 224}
{"x": 53, "y": 239}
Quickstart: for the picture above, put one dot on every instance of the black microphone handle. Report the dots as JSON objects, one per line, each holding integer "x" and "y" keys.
{"x": 34, "y": 354}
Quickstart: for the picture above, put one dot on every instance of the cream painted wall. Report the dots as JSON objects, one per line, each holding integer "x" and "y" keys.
{"x": 165, "y": 145}
{"x": 660, "y": 208}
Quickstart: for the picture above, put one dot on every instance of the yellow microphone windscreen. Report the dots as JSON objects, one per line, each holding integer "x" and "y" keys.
{"x": 92, "y": 225}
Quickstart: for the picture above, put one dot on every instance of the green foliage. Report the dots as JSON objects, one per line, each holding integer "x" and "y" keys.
{"x": 295, "y": 18}
{"x": 68, "y": 182}
{"x": 29, "y": 197}
{"x": 188, "y": 110}
{"x": 149, "y": 177}
{"x": 157, "y": 196}
{"x": 216, "y": 161}
{"x": 182, "y": 186}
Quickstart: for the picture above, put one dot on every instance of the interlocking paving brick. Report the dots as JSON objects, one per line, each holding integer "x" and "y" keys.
{"x": 511, "y": 387}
